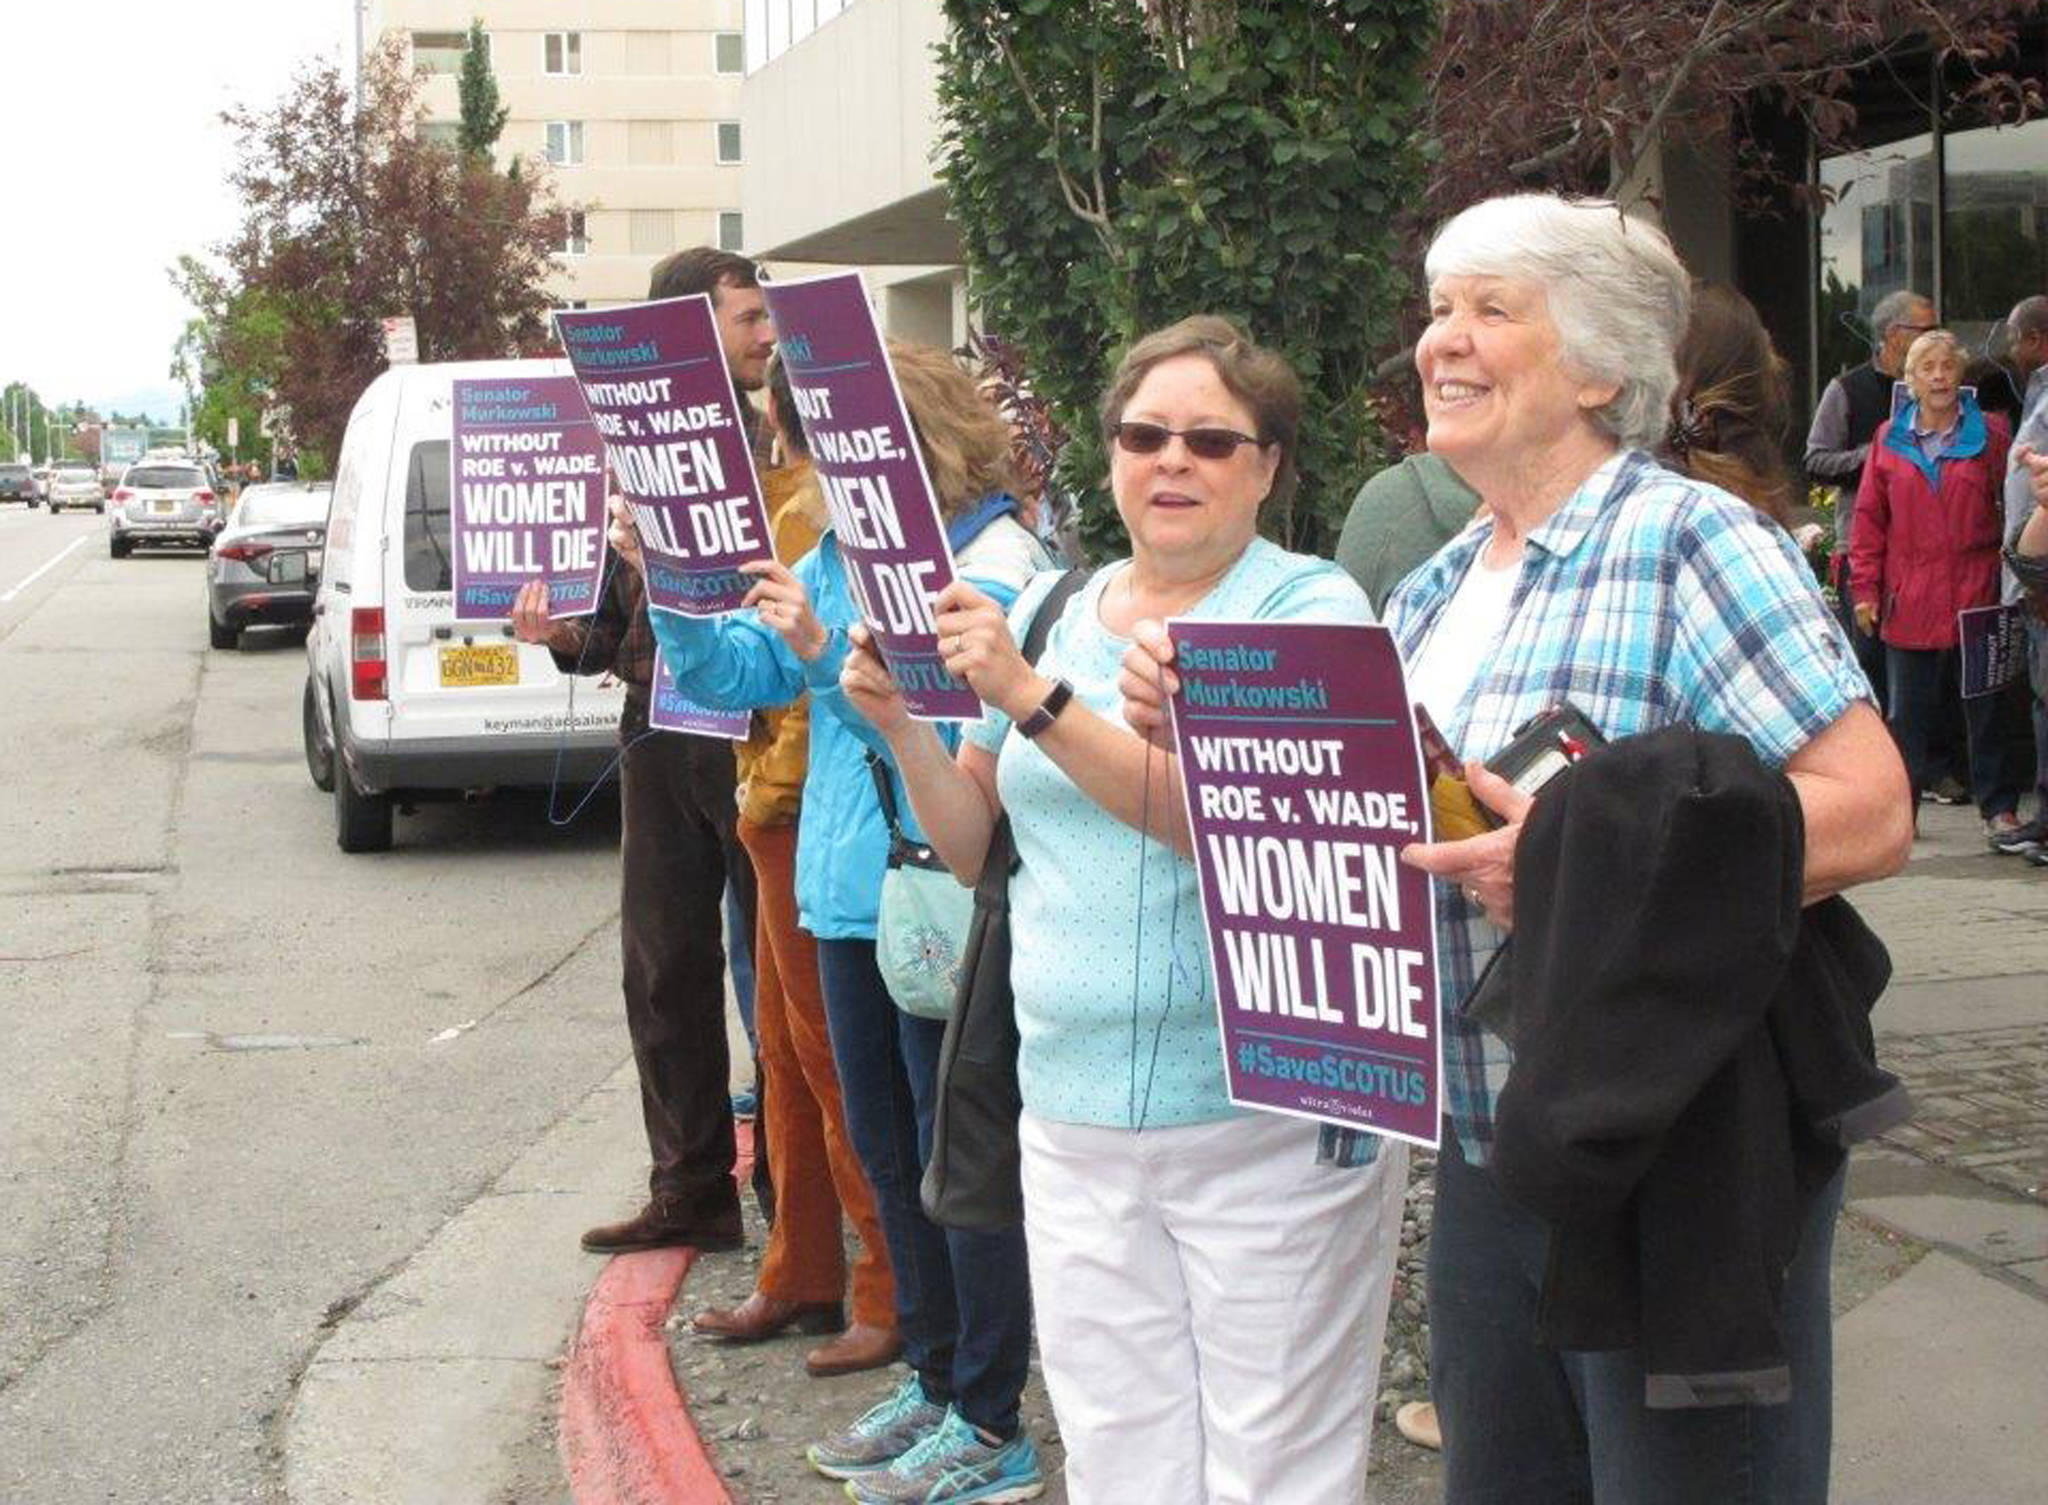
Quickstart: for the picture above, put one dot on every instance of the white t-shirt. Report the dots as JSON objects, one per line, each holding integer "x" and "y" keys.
{"x": 1463, "y": 638}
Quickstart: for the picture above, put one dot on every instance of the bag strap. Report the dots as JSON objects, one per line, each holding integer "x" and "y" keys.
{"x": 885, "y": 794}
{"x": 1050, "y": 610}
{"x": 1042, "y": 620}
{"x": 993, "y": 890}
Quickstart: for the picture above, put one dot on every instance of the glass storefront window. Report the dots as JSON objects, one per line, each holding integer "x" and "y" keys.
{"x": 1876, "y": 236}
{"x": 1995, "y": 225}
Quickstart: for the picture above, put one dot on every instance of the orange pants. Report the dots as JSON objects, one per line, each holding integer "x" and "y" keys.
{"x": 816, "y": 1172}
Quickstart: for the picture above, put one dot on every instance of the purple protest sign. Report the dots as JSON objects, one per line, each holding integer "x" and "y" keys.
{"x": 1303, "y": 780}
{"x": 884, "y": 513}
{"x": 670, "y": 710}
{"x": 527, "y": 478}
{"x": 654, "y": 377}
{"x": 1993, "y": 643}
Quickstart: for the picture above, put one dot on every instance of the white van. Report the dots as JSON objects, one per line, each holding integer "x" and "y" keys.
{"x": 402, "y": 700}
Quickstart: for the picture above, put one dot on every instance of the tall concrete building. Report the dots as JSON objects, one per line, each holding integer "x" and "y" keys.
{"x": 840, "y": 111}
{"x": 634, "y": 104}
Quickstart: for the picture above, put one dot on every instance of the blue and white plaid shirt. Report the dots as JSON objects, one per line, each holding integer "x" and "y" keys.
{"x": 1646, "y": 600}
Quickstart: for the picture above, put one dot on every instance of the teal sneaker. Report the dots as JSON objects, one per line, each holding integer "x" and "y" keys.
{"x": 881, "y": 1436}
{"x": 954, "y": 1466}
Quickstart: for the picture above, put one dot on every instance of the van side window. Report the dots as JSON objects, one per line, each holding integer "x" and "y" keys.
{"x": 427, "y": 566}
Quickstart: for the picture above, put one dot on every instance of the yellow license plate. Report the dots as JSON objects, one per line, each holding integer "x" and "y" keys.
{"x": 492, "y": 664}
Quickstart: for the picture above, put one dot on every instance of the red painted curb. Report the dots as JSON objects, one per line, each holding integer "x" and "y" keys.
{"x": 626, "y": 1433}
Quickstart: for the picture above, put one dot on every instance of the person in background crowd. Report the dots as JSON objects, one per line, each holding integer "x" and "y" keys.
{"x": 676, "y": 802}
{"x": 951, "y": 1432}
{"x": 1398, "y": 519}
{"x": 2027, "y": 349}
{"x": 1838, "y": 443}
{"x": 1733, "y": 405}
{"x": 1548, "y": 369}
{"x": 1928, "y": 528}
{"x": 803, "y": 1271}
{"x": 1211, "y": 1300}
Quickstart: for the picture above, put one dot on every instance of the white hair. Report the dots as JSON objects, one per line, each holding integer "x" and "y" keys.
{"x": 1926, "y": 344}
{"x": 1615, "y": 289}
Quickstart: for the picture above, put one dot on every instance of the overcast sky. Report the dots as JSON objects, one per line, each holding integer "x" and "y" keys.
{"x": 115, "y": 160}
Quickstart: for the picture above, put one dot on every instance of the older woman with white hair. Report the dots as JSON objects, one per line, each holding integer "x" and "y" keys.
{"x": 1648, "y": 599}
{"x": 1929, "y": 519}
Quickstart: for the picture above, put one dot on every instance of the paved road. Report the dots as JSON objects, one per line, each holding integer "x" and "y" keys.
{"x": 230, "y": 1110}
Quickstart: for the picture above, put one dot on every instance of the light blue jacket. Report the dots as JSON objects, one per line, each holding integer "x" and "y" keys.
{"x": 735, "y": 663}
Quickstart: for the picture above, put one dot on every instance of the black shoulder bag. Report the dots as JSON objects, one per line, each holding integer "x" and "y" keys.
{"x": 971, "y": 1180}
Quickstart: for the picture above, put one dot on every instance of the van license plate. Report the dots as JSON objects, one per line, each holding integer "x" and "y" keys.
{"x": 493, "y": 664}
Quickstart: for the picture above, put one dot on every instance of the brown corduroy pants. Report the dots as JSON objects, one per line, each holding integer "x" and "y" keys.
{"x": 817, "y": 1175}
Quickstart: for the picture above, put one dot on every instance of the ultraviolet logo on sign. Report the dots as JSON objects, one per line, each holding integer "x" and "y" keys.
{"x": 527, "y": 478}
{"x": 655, "y": 381}
{"x": 670, "y": 710}
{"x": 1303, "y": 781}
{"x": 884, "y": 513}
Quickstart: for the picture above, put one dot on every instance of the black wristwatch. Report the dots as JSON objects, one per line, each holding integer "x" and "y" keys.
{"x": 1048, "y": 711}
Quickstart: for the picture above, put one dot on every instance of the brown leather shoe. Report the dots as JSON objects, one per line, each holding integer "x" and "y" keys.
{"x": 763, "y": 1316}
{"x": 859, "y": 1347}
{"x": 663, "y": 1225}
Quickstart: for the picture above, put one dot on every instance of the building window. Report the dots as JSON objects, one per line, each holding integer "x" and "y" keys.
{"x": 441, "y": 133}
{"x": 565, "y": 143}
{"x": 652, "y": 232}
{"x": 728, "y": 141}
{"x": 561, "y": 52}
{"x": 574, "y": 241}
{"x": 441, "y": 51}
{"x": 731, "y": 233}
{"x": 575, "y": 303}
{"x": 731, "y": 52}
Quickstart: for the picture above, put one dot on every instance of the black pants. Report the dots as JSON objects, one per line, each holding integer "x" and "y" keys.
{"x": 1918, "y": 703}
{"x": 676, "y": 798}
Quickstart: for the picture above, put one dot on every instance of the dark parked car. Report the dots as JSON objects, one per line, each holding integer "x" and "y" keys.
{"x": 265, "y": 566}
{"x": 17, "y": 484}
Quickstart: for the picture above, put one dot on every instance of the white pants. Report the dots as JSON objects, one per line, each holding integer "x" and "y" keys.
{"x": 1211, "y": 1304}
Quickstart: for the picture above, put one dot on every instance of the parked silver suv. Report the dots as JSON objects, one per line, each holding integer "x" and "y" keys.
{"x": 162, "y": 501}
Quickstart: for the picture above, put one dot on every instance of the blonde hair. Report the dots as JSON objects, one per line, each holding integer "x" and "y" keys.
{"x": 1934, "y": 339}
{"x": 966, "y": 445}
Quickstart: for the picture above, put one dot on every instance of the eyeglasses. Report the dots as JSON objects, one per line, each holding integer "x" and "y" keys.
{"x": 1203, "y": 444}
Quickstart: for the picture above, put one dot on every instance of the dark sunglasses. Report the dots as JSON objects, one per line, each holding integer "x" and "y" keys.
{"x": 1203, "y": 444}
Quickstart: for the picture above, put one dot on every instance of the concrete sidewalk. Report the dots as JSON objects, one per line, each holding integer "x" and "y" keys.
{"x": 440, "y": 1386}
{"x": 1941, "y": 1381}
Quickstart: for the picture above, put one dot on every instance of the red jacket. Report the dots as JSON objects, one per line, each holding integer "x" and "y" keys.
{"x": 1921, "y": 554}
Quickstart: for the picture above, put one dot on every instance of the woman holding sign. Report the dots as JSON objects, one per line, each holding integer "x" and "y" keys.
{"x": 1210, "y": 1299}
{"x": 1651, "y": 600}
{"x": 963, "y": 1304}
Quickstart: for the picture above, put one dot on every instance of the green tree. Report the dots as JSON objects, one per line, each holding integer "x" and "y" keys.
{"x": 483, "y": 119}
{"x": 1114, "y": 167}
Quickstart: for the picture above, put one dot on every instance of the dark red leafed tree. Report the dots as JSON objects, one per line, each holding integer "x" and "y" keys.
{"x": 348, "y": 216}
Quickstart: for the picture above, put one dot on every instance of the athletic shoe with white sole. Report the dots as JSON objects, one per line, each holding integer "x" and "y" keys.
{"x": 881, "y": 1436}
{"x": 956, "y": 1465}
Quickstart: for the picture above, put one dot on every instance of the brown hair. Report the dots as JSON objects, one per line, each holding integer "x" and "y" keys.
{"x": 701, "y": 269}
{"x": 966, "y": 445}
{"x": 1734, "y": 403}
{"x": 789, "y": 422}
{"x": 1259, "y": 378}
